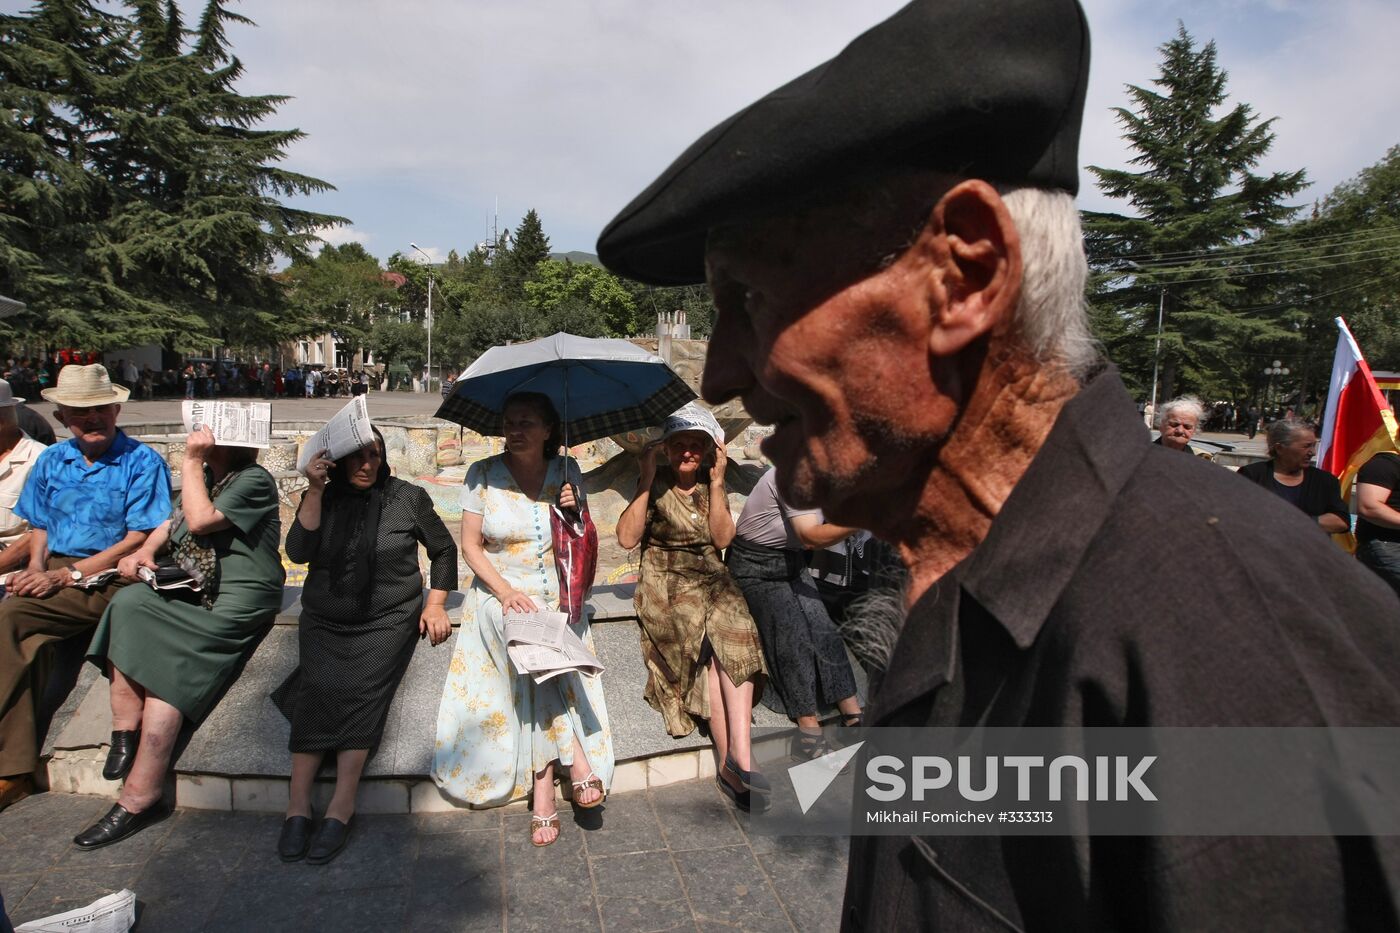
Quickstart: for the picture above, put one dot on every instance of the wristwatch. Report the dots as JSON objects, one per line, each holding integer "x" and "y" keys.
{"x": 75, "y": 575}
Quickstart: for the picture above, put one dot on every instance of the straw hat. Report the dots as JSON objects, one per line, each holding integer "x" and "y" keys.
{"x": 7, "y": 396}
{"x": 85, "y": 387}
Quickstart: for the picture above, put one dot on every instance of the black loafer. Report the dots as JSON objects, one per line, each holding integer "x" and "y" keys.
{"x": 295, "y": 838}
{"x": 118, "y": 824}
{"x": 752, "y": 780}
{"x": 742, "y": 799}
{"x": 330, "y": 839}
{"x": 121, "y": 755}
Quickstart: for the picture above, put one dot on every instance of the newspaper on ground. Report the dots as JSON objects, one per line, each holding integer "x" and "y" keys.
{"x": 543, "y": 645}
{"x": 345, "y": 433}
{"x": 234, "y": 424}
{"x": 115, "y": 913}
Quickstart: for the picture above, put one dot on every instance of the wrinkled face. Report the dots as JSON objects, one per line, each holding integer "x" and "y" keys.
{"x": 94, "y": 427}
{"x": 687, "y": 451}
{"x": 1178, "y": 427}
{"x": 831, "y": 349}
{"x": 1298, "y": 452}
{"x": 362, "y": 467}
{"x": 525, "y": 428}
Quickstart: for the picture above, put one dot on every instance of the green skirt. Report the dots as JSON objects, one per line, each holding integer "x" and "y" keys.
{"x": 178, "y": 651}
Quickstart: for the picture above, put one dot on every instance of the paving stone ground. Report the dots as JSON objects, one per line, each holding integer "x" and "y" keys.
{"x": 673, "y": 858}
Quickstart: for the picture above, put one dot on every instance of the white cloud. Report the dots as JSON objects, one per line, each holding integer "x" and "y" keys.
{"x": 338, "y": 236}
{"x": 435, "y": 254}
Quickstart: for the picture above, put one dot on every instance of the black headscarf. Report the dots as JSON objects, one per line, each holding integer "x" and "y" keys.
{"x": 350, "y": 525}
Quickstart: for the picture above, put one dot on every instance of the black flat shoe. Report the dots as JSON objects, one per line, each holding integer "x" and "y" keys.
{"x": 122, "y": 754}
{"x": 741, "y": 798}
{"x": 752, "y": 780}
{"x": 295, "y": 838}
{"x": 118, "y": 824}
{"x": 330, "y": 839}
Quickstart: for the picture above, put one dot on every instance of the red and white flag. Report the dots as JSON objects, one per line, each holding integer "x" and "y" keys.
{"x": 1357, "y": 423}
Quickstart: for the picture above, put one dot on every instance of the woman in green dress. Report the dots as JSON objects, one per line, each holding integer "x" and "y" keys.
{"x": 171, "y": 653}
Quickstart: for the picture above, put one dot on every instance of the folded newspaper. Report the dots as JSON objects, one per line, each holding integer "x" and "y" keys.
{"x": 168, "y": 577}
{"x": 345, "y": 433}
{"x": 234, "y": 424}
{"x": 115, "y": 913}
{"x": 543, "y": 645}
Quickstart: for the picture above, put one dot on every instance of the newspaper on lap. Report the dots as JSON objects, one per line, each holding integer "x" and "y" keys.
{"x": 234, "y": 424}
{"x": 345, "y": 433}
{"x": 542, "y": 644}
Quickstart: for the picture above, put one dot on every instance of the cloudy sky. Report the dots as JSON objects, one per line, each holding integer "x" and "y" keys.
{"x": 428, "y": 114}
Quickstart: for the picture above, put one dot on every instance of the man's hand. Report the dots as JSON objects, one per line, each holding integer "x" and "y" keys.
{"x": 39, "y": 584}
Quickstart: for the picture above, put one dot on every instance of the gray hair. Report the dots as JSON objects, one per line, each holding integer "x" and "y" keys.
{"x": 1187, "y": 403}
{"x": 1283, "y": 431}
{"x": 1052, "y": 317}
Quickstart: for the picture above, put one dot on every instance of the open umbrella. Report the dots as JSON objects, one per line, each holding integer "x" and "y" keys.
{"x": 600, "y": 387}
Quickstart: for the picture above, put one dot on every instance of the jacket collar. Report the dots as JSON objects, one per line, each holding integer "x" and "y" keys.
{"x": 1036, "y": 543}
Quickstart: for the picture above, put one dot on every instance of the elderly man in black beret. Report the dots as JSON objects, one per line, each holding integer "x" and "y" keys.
{"x": 897, "y": 265}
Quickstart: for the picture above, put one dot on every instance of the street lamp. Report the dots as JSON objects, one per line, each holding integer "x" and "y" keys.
{"x": 429, "y": 263}
{"x": 1277, "y": 369}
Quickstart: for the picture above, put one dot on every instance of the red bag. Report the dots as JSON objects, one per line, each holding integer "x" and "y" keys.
{"x": 575, "y": 558}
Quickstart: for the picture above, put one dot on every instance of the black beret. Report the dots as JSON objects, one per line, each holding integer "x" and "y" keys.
{"x": 989, "y": 89}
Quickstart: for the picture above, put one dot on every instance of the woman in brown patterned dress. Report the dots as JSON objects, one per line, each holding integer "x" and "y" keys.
{"x": 700, "y": 645}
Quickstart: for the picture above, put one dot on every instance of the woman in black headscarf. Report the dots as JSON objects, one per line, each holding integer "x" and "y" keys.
{"x": 358, "y": 529}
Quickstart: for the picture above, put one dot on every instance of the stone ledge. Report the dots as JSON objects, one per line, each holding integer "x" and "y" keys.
{"x": 80, "y": 772}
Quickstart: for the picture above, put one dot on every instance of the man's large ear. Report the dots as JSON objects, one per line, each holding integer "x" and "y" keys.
{"x": 978, "y": 253}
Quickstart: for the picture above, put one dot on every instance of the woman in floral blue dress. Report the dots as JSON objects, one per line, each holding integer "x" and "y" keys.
{"x": 499, "y": 733}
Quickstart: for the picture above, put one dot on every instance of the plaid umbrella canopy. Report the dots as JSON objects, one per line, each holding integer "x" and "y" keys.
{"x": 600, "y": 387}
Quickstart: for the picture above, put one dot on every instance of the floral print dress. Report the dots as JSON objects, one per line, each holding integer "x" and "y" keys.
{"x": 497, "y": 728}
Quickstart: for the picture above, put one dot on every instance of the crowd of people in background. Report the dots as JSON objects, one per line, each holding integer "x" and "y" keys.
{"x": 195, "y": 378}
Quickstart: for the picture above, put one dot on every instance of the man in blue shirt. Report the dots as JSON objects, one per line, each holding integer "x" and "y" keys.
{"x": 91, "y": 501}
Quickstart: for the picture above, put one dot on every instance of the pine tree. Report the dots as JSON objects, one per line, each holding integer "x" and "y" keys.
{"x": 167, "y": 217}
{"x": 528, "y": 248}
{"x": 1196, "y": 193}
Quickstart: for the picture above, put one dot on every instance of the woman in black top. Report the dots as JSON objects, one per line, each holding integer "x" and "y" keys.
{"x": 1378, "y": 516}
{"x": 1289, "y": 474}
{"x": 362, "y": 614}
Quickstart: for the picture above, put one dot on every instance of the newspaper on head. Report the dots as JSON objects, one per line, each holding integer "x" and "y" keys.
{"x": 234, "y": 424}
{"x": 543, "y": 645}
{"x": 345, "y": 433}
{"x": 115, "y": 913}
